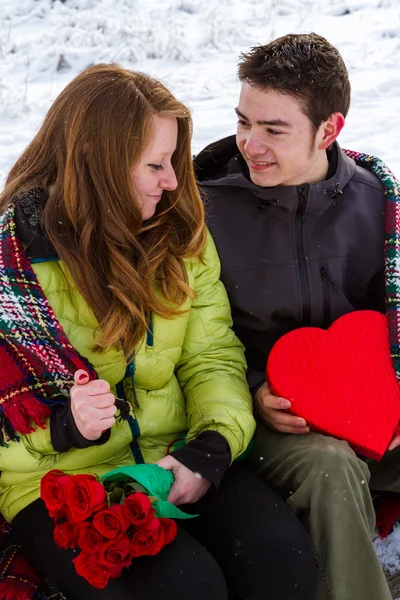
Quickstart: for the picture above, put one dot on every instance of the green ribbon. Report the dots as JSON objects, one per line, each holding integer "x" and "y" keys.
{"x": 156, "y": 481}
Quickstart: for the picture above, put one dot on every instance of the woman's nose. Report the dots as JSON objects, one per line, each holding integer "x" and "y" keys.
{"x": 168, "y": 180}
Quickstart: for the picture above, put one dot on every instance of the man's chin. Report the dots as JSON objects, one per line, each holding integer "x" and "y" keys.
{"x": 263, "y": 179}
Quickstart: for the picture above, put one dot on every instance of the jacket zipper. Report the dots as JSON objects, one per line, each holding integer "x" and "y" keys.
{"x": 326, "y": 281}
{"x": 132, "y": 422}
{"x": 130, "y": 372}
{"x": 304, "y": 283}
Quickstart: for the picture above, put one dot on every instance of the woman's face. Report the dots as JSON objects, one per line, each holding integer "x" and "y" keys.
{"x": 154, "y": 172}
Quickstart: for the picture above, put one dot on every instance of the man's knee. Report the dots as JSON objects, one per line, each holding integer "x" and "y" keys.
{"x": 288, "y": 460}
{"x": 329, "y": 457}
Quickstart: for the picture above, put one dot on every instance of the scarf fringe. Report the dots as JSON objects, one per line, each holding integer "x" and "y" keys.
{"x": 13, "y": 590}
{"x": 387, "y": 513}
{"x": 23, "y": 415}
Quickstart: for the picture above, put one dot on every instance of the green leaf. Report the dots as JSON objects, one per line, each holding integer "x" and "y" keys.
{"x": 115, "y": 496}
{"x": 155, "y": 480}
{"x": 133, "y": 486}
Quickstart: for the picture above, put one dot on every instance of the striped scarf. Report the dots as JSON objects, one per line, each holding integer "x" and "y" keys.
{"x": 37, "y": 360}
{"x": 391, "y": 187}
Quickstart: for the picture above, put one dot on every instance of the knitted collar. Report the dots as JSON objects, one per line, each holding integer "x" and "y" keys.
{"x": 37, "y": 360}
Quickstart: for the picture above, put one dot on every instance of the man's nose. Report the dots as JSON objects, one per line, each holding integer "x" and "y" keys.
{"x": 254, "y": 144}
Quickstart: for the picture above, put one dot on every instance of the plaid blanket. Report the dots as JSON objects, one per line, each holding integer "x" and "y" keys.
{"x": 18, "y": 579}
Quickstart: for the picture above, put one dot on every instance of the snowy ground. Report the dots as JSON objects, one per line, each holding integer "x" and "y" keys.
{"x": 192, "y": 45}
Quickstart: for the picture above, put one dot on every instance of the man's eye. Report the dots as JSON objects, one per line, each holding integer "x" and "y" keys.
{"x": 156, "y": 167}
{"x": 242, "y": 123}
{"x": 274, "y": 132}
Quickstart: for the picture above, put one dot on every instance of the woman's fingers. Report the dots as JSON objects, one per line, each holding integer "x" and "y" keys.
{"x": 81, "y": 377}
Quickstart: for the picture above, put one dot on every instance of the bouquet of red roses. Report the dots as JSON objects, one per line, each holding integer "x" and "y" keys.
{"x": 113, "y": 519}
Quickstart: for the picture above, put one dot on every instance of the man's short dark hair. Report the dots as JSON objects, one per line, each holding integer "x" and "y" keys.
{"x": 305, "y": 66}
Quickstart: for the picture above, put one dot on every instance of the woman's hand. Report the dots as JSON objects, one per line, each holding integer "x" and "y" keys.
{"x": 188, "y": 487}
{"x": 272, "y": 411}
{"x": 92, "y": 405}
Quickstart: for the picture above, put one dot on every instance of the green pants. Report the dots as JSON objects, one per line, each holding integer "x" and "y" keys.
{"x": 328, "y": 487}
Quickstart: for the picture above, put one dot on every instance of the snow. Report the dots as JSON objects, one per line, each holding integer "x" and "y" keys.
{"x": 388, "y": 551}
{"x": 192, "y": 46}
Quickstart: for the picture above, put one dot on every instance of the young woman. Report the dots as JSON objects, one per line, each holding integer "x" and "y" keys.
{"x": 108, "y": 274}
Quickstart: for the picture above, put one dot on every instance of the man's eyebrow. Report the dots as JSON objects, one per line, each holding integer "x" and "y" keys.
{"x": 274, "y": 122}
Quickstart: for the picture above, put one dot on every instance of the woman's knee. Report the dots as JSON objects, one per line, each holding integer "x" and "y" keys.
{"x": 204, "y": 576}
{"x": 189, "y": 571}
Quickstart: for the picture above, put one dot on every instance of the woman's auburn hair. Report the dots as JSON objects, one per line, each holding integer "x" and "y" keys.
{"x": 93, "y": 135}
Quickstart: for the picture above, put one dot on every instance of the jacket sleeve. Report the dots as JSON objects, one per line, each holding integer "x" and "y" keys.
{"x": 255, "y": 379}
{"x": 212, "y": 367}
{"x": 59, "y": 434}
{"x": 65, "y": 434}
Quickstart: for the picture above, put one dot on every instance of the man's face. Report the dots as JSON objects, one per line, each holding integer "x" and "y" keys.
{"x": 276, "y": 139}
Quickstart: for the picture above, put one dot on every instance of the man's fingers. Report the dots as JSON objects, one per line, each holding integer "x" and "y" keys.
{"x": 287, "y": 420}
{"x": 280, "y": 418}
{"x": 294, "y": 430}
{"x": 284, "y": 422}
{"x": 394, "y": 443}
{"x": 275, "y": 402}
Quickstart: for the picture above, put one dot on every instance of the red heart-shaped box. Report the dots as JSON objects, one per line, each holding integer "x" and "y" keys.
{"x": 341, "y": 380}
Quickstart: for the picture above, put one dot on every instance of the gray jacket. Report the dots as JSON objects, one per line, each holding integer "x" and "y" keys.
{"x": 293, "y": 256}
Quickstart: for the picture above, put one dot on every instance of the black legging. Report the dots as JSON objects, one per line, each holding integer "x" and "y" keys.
{"x": 254, "y": 548}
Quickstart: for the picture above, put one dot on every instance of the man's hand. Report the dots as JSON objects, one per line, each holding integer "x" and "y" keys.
{"x": 92, "y": 405}
{"x": 272, "y": 411}
{"x": 188, "y": 487}
{"x": 395, "y": 441}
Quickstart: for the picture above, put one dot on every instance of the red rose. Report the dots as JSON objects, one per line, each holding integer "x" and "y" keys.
{"x": 89, "y": 539}
{"x": 115, "y": 555}
{"x": 137, "y": 508}
{"x": 59, "y": 514}
{"x": 52, "y": 488}
{"x": 111, "y": 522}
{"x": 87, "y": 566}
{"x": 149, "y": 539}
{"x": 65, "y": 535}
{"x": 84, "y": 495}
{"x": 170, "y": 530}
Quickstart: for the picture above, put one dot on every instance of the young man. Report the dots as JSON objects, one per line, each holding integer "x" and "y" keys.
{"x": 300, "y": 229}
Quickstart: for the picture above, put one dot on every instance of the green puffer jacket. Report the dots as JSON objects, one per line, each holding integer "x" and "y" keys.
{"x": 189, "y": 378}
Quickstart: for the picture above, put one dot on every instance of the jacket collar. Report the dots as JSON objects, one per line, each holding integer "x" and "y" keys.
{"x": 221, "y": 164}
{"x": 28, "y": 222}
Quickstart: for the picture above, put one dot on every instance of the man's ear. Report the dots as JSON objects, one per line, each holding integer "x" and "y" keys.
{"x": 330, "y": 130}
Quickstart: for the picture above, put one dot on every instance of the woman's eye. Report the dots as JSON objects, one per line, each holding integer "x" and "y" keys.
{"x": 156, "y": 167}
